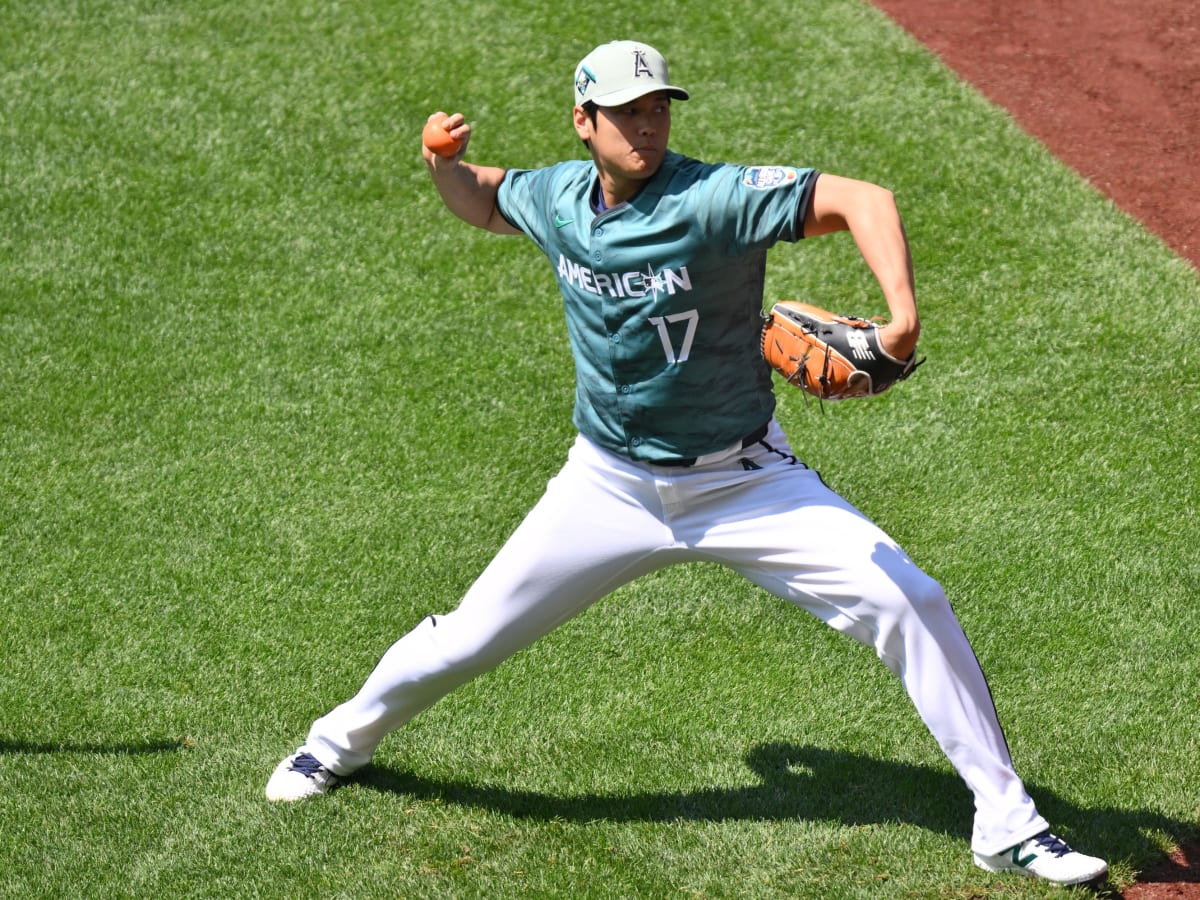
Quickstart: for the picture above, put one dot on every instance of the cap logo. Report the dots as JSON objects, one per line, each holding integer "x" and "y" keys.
{"x": 640, "y": 66}
{"x": 584, "y": 79}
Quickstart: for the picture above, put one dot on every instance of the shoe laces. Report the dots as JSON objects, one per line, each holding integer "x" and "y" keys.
{"x": 1052, "y": 844}
{"x": 306, "y": 764}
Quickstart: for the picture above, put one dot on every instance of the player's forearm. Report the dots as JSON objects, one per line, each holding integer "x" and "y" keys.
{"x": 469, "y": 191}
{"x": 884, "y": 247}
{"x": 874, "y": 222}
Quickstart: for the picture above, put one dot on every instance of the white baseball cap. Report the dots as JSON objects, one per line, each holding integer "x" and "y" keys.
{"x": 622, "y": 71}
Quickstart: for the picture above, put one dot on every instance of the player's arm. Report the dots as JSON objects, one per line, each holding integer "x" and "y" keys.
{"x": 469, "y": 191}
{"x": 869, "y": 213}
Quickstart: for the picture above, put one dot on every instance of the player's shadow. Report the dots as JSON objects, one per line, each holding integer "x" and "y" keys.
{"x": 795, "y": 782}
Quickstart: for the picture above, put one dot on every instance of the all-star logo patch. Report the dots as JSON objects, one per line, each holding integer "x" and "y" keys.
{"x": 763, "y": 178}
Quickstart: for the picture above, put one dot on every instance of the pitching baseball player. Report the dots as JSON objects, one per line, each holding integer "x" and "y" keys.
{"x": 660, "y": 260}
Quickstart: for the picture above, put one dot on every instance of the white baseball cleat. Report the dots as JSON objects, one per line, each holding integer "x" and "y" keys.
{"x": 1045, "y": 856}
{"x": 299, "y": 777}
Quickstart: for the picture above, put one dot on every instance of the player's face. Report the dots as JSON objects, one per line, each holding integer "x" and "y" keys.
{"x": 629, "y": 141}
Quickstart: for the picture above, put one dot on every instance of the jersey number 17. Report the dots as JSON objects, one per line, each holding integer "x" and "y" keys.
{"x": 692, "y": 317}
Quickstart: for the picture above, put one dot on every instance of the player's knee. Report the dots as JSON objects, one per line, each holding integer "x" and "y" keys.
{"x": 918, "y": 609}
{"x": 924, "y": 594}
{"x": 464, "y": 646}
{"x": 924, "y": 587}
{"x": 921, "y": 592}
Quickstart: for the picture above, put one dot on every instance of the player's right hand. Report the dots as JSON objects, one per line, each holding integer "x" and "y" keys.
{"x": 456, "y": 129}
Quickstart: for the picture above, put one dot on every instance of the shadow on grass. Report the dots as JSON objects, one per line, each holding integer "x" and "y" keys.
{"x": 132, "y": 748}
{"x": 793, "y": 783}
{"x": 811, "y": 783}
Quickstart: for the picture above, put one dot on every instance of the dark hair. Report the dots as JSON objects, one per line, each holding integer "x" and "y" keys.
{"x": 591, "y": 111}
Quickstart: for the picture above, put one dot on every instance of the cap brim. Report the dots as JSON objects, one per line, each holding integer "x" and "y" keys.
{"x": 617, "y": 98}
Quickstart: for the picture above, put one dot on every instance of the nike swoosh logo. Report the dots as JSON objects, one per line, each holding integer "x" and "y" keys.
{"x": 559, "y": 222}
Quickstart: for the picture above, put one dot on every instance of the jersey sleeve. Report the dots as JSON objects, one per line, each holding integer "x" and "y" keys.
{"x": 756, "y": 207}
{"x": 513, "y": 198}
{"x": 527, "y": 197}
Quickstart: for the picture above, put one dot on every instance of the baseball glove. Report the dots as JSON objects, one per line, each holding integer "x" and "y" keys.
{"x": 830, "y": 356}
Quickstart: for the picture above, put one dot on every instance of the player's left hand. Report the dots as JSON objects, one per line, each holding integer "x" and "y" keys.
{"x": 897, "y": 340}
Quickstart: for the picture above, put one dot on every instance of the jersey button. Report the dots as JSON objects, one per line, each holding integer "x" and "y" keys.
{"x": 615, "y": 338}
{"x": 624, "y": 389}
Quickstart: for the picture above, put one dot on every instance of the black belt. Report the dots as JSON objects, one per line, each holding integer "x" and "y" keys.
{"x": 687, "y": 462}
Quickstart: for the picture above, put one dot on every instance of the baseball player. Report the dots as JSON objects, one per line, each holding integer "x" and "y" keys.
{"x": 660, "y": 260}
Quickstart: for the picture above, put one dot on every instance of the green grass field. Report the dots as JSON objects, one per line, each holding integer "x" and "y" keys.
{"x": 265, "y": 404}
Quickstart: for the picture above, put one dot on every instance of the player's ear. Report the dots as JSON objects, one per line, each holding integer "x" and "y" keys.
{"x": 585, "y": 123}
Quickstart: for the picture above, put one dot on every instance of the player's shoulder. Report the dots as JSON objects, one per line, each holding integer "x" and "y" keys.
{"x": 688, "y": 168}
{"x": 733, "y": 176}
{"x": 553, "y": 178}
{"x": 567, "y": 170}
{"x": 685, "y": 179}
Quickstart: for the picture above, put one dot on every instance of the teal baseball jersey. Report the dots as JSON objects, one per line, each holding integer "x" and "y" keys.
{"x": 663, "y": 296}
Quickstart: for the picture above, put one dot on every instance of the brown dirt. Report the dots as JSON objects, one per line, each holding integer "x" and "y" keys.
{"x": 1177, "y": 878}
{"x": 1112, "y": 88}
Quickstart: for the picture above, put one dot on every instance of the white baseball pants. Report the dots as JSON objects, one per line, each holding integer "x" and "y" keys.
{"x": 605, "y": 520}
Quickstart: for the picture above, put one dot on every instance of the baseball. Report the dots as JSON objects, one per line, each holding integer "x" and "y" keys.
{"x": 438, "y": 139}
